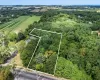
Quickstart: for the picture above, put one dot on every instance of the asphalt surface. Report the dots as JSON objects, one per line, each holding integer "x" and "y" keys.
{"x": 23, "y": 75}
{"x": 7, "y": 62}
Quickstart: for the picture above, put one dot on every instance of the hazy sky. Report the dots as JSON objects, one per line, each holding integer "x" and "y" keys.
{"x": 49, "y": 2}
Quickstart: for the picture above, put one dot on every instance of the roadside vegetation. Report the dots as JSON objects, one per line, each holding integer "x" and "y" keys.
{"x": 5, "y": 73}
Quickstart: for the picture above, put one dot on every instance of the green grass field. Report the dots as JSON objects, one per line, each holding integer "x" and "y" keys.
{"x": 18, "y": 24}
{"x": 25, "y": 23}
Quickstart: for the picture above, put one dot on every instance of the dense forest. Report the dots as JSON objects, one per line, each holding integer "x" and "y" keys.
{"x": 79, "y": 57}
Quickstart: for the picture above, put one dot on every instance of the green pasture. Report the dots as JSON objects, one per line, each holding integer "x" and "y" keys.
{"x": 18, "y": 24}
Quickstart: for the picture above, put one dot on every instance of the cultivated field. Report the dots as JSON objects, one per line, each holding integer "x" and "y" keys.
{"x": 18, "y": 24}
{"x": 25, "y": 23}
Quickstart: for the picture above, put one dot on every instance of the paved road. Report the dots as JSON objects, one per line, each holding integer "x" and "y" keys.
{"x": 23, "y": 75}
{"x": 7, "y": 62}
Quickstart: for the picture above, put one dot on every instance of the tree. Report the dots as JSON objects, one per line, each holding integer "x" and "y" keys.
{"x": 21, "y": 36}
{"x": 12, "y": 36}
{"x": 69, "y": 70}
{"x": 21, "y": 45}
{"x": 27, "y": 53}
{"x": 50, "y": 64}
{"x": 5, "y": 73}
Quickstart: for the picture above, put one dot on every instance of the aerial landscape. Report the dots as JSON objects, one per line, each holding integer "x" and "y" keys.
{"x": 49, "y": 40}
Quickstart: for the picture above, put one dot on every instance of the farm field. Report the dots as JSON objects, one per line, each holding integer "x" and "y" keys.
{"x": 25, "y": 23}
{"x": 18, "y": 24}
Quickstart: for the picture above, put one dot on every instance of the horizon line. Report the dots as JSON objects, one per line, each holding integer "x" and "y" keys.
{"x": 53, "y": 4}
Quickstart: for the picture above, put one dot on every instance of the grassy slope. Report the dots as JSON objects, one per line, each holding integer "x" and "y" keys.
{"x": 25, "y": 24}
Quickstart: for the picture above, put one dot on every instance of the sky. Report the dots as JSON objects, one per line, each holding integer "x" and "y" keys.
{"x": 49, "y": 2}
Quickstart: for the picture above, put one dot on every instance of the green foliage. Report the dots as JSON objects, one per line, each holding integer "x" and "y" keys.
{"x": 12, "y": 36}
{"x": 21, "y": 45}
{"x": 69, "y": 70}
{"x": 78, "y": 44}
{"x": 39, "y": 66}
{"x": 50, "y": 64}
{"x": 48, "y": 16}
{"x": 96, "y": 26}
{"x": 28, "y": 51}
{"x": 21, "y": 36}
{"x": 4, "y": 49}
{"x": 5, "y": 73}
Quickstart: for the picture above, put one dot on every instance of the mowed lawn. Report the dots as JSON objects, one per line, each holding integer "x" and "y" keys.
{"x": 26, "y": 23}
